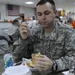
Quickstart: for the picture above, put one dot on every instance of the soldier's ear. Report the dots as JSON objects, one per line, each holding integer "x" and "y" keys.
{"x": 55, "y": 12}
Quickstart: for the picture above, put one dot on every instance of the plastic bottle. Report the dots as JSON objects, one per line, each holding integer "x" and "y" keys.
{"x": 8, "y": 60}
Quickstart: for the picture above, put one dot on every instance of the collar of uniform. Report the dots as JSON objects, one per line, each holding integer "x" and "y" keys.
{"x": 53, "y": 34}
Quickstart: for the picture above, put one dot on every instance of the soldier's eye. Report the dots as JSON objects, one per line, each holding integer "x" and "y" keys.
{"x": 47, "y": 12}
{"x": 39, "y": 14}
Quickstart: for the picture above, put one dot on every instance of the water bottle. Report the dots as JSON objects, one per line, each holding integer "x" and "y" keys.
{"x": 8, "y": 60}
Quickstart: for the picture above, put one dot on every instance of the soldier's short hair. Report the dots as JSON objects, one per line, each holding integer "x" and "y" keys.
{"x": 14, "y": 21}
{"x": 45, "y": 1}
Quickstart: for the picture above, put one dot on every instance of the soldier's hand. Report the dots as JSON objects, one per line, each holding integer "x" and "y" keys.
{"x": 24, "y": 30}
{"x": 43, "y": 63}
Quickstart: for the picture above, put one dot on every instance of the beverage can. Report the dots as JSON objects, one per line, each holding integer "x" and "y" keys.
{"x": 8, "y": 60}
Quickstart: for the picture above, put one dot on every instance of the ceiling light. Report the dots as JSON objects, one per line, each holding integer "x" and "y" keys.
{"x": 59, "y": 9}
{"x": 29, "y": 2}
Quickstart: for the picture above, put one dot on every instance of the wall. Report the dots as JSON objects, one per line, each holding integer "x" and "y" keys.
{"x": 68, "y": 9}
{"x": 6, "y": 26}
{"x": 29, "y": 12}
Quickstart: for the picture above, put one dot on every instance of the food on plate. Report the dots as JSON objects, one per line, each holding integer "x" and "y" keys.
{"x": 38, "y": 54}
{"x": 31, "y": 63}
{"x": 35, "y": 55}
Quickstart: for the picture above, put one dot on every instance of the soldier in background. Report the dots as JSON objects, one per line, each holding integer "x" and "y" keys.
{"x": 15, "y": 35}
{"x": 55, "y": 41}
{"x": 13, "y": 31}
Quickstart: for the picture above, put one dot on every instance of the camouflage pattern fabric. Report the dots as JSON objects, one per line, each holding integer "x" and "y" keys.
{"x": 58, "y": 46}
{"x": 16, "y": 35}
{"x": 1, "y": 64}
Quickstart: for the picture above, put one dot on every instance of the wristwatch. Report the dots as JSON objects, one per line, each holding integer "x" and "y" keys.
{"x": 54, "y": 67}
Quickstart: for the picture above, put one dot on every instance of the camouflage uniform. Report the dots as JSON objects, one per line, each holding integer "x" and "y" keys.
{"x": 58, "y": 46}
{"x": 16, "y": 35}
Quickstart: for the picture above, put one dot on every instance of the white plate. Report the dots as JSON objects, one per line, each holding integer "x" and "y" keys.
{"x": 17, "y": 70}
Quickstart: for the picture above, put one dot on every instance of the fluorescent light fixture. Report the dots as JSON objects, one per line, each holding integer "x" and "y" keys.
{"x": 59, "y": 9}
{"x": 29, "y": 2}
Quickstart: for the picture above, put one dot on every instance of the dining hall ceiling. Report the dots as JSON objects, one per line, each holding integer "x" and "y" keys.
{"x": 59, "y": 3}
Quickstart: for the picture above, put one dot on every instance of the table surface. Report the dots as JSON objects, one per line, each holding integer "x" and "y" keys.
{"x": 2, "y": 66}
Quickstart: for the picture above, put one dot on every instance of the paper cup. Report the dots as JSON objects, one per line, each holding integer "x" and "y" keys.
{"x": 27, "y": 61}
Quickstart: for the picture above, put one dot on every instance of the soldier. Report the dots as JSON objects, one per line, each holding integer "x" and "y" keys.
{"x": 55, "y": 41}
{"x": 15, "y": 35}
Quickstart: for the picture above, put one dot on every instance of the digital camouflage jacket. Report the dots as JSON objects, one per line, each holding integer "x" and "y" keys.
{"x": 58, "y": 46}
